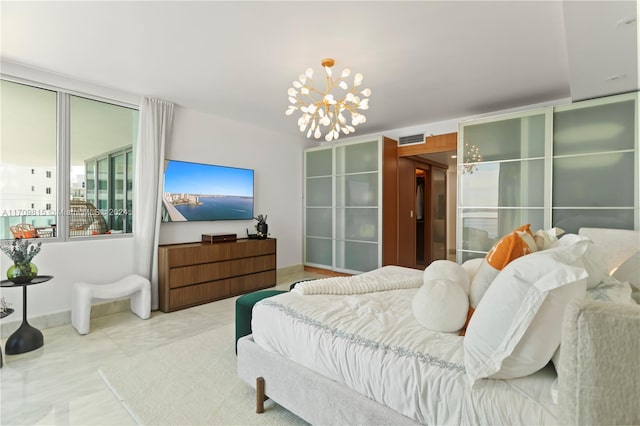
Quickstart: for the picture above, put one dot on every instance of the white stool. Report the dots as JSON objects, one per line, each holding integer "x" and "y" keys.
{"x": 135, "y": 286}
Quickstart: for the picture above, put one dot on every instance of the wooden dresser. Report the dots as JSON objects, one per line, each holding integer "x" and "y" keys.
{"x": 195, "y": 273}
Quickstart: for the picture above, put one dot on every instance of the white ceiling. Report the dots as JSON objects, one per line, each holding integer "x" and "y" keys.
{"x": 425, "y": 61}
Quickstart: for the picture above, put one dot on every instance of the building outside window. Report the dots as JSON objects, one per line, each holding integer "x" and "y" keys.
{"x": 100, "y": 133}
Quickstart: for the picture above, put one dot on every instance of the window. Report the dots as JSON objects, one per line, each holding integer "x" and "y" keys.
{"x": 113, "y": 190}
{"x": 99, "y": 166}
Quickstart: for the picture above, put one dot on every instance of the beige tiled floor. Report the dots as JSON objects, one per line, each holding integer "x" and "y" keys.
{"x": 59, "y": 384}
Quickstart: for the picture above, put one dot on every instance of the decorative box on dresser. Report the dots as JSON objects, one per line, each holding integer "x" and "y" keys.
{"x": 195, "y": 273}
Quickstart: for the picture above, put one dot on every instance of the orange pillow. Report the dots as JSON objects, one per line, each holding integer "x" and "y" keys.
{"x": 508, "y": 248}
{"x": 511, "y": 247}
{"x": 466, "y": 324}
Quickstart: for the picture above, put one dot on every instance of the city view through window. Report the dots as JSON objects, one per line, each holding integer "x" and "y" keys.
{"x": 100, "y": 165}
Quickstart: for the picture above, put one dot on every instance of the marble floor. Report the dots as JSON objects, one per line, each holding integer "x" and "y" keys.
{"x": 59, "y": 384}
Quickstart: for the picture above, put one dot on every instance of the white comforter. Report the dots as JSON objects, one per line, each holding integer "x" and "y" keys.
{"x": 385, "y": 278}
{"x": 372, "y": 343}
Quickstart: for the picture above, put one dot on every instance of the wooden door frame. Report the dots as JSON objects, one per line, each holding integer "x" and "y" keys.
{"x": 432, "y": 144}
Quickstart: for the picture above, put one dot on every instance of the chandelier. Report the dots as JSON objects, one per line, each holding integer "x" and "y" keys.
{"x": 471, "y": 157}
{"x": 326, "y": 109}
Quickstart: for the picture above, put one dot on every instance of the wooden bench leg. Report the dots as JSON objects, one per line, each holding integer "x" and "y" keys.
{"x": 260, "y": 396}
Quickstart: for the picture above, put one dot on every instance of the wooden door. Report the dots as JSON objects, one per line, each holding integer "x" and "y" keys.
{"x": 424, "y": 220}
{"x": 438, "y": 213}
{"x": 406, "y": 212}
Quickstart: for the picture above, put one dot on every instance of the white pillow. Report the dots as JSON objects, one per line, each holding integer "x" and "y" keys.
{"x": 593, "y": 258}
{"x": 629, "y": 271}
{"x": 471, "y": 266}
{"x": 611, "y": 290}
{"x": 441, "y": 305}
{"x": 545, "y": 238}
{"x": 515, "y": 329}
{"x": 448, "y": 270}
{"x": 482, "y": 279}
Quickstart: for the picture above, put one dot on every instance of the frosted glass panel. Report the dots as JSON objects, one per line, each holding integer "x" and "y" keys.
{"x": 318, "y": 251}
{"x": 319, "y": 163}
{"x": 508, "y": 184}
{"x": 573, "y": 219}
{"x": 357, "y": 190}
{"x": 357, "y": 158}
{"x": 357, "y": 224}
{"x": 318, "y": 222}
{"x": 470, "y": 255}
{"x": 481, "y": 228}
{"x": 594, "y": 129}
{"x": 594, "y": 181}
{"x": 508, "y": 139}
{"x": 355, "y": 256}
{"x": 318, "y": 192}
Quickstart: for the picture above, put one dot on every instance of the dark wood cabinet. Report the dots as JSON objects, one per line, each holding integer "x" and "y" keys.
{"x": 195, "y": 273}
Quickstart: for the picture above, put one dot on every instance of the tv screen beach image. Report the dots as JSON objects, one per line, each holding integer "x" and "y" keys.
{"x": 196, "y": 192}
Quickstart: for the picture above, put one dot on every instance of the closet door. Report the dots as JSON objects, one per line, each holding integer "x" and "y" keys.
{"x": 318, "y": 219}
{"x": 357, "y": 206}
{"x": 595, "y": 164}
{"x": 502, "y": 178}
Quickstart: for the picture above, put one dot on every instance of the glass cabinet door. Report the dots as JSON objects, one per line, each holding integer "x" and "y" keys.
{"x": 571, "y": 166}
{"x": 318, "y": 207}
{"x": 595, "y": 157}
{"x": 343, "y": 205}
{"x": 357, "y": 206}
{"x": 501, "y": 170}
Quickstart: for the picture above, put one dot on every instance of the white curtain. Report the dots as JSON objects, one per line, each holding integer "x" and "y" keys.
{"x": 156, "y": 117}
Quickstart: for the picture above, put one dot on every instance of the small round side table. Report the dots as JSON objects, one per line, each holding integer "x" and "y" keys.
{"x": 26, "y": 338}
{"x": 6, "y": 313}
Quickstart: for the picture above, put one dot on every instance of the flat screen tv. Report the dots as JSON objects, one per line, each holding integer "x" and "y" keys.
{"x": 195, "y": 191}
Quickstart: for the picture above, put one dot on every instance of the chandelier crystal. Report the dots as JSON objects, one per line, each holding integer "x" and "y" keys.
{"x": 324, "y": 111}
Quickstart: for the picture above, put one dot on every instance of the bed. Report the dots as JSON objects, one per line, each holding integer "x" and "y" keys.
{"x": 362, "y": 358}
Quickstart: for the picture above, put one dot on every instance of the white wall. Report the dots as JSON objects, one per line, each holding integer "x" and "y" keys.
{"x": 276, "y": 160}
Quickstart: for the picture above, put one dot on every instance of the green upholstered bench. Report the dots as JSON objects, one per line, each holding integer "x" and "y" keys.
{"x": 244, "y": 307}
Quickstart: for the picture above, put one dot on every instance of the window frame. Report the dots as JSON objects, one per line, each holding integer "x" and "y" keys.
{"x": 126, "y": 193}
{"x": 63, "y": 155}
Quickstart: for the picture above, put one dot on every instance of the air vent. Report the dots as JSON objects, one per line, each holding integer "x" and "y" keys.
{"x": 410, "y": 140}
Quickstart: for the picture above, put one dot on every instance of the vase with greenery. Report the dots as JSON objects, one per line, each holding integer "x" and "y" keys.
{"x": 21, "y": 252}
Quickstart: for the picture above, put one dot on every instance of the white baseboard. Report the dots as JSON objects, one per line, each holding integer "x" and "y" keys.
{"x": 57, "y": 319}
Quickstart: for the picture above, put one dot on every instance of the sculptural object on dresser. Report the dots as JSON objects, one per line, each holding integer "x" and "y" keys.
{"x": 261, "y": 227}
